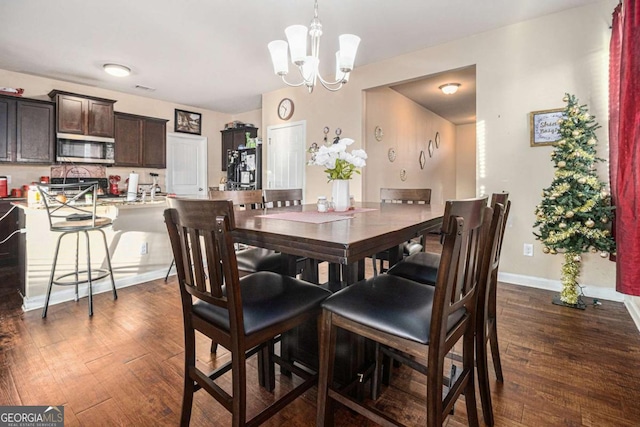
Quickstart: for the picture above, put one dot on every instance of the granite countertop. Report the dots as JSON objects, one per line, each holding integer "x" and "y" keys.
{"x": 119, "y": 203}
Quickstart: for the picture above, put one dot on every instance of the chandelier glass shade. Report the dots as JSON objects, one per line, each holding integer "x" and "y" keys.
{"x": 296, "y": 48}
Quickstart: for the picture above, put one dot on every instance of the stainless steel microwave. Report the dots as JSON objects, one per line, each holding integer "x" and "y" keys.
{"x": 85, "y": 149}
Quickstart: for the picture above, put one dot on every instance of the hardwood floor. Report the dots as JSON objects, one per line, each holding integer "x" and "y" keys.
{"x": 562, "y": 367}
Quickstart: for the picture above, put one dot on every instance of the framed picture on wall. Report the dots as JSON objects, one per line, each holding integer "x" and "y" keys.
{"x": 188, "y": 122}
{"x": 544, "y": 126}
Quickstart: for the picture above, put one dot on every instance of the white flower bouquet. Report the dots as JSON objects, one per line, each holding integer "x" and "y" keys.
{"x": 338, "y": 163}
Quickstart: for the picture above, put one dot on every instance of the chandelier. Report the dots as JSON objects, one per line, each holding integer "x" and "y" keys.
{"x": 308, "y": 64}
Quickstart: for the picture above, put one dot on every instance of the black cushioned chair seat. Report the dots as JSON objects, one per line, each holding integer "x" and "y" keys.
{"x": 267, "y": 299}
{"x": 390, "y": 304}
{"x": 420, "y": 267}
{"x": 258, "y": 259}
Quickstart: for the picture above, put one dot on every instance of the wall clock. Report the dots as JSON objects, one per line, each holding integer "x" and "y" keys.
{"x": 285, "y": 109}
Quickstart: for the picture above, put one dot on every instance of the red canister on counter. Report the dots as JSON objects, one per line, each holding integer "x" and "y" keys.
{"x": 16, "y": 193}
{"x": 44, "y": 180}
{"x": 3, "y": 186}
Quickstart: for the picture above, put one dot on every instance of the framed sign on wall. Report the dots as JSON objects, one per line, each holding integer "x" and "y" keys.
{"x": 544, "y": 126}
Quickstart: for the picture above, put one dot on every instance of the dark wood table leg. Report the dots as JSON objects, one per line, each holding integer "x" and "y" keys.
{"x": 288, "y": 341}
{"x": 310, "y": 272}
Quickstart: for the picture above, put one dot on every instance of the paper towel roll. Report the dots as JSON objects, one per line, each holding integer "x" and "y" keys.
{"x": 132, "y": 189}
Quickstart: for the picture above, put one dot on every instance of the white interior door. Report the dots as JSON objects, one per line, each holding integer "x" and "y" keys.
{"x": 286, "y": 155}
{"x": 186, "y": 164}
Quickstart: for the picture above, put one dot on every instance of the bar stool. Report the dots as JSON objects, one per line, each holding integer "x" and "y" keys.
{"x": 71, "y": 209}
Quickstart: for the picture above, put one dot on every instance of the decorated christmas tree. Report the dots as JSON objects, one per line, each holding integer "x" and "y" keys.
{"x": 575, "y": 213}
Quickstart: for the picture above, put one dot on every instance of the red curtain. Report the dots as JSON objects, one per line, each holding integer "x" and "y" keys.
{"x": 624, "y": 142}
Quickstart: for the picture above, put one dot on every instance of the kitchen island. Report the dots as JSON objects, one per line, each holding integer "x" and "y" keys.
{"x": 138, "y": 244}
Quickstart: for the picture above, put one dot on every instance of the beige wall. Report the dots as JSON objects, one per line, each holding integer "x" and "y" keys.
{"x": 465, "y": 161}
{"x": 407, "y": 128}
{"x": 39, "y": 87}
{"x": 520, "y": 68}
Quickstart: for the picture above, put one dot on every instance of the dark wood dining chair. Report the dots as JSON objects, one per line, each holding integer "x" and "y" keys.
{"x": 486, "y": 325}
{"x": 423, "y": 268}
{"x": 419, "y": 322}
{"x": 402, "y": 196}
{"x": 251, "y": 259}
{"x": 282, "y": 197}
{"x": 248, "y": 199}
{"x": 241, "y": 314}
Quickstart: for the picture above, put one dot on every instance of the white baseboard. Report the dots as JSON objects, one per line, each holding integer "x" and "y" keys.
{"x": 555, "y": 285}
{"x": 103, "y": 285}
{"x": 634, "y": 310}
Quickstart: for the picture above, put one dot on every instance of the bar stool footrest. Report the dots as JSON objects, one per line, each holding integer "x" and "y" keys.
{"x": 96, "y": 274}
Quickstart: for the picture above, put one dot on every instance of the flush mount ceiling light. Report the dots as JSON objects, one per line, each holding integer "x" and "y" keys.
{"x": 117, "y": 70}
{"x": 449, "y": 88}
{"x": 308, "y": 64}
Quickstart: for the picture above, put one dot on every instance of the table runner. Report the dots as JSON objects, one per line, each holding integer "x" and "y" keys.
{"x": 315, "y": 217}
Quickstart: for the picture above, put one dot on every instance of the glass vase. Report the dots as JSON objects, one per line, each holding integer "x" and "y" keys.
{"x": 340, "y": 194}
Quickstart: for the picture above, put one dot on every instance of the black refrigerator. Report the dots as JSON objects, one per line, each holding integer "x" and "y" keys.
{"x": 244, "y": 168}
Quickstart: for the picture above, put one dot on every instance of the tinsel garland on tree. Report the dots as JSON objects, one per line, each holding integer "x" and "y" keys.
{"x": 575, "y": 213}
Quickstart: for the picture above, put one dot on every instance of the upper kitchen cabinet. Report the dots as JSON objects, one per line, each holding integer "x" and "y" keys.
{"x": 27, "y": 130}
{"x": 140, "y": 141}
{"x": 84, "y": 115}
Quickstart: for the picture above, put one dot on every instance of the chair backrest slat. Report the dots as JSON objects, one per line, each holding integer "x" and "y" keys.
{"x": 283, "y": 197}
{"x": 406, "y": 195}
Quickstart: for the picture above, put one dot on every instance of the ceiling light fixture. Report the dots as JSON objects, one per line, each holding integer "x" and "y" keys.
{"x": 117, "y": 70}
{"x": 449, "y": 88}
{"x": 308, "y": 64}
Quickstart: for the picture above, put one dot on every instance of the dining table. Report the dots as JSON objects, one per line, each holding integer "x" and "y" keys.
{"x": 344, "y": 239}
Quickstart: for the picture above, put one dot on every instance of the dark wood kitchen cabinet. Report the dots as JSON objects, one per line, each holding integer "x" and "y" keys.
{"x": 27, "y": 130}
{"x": 233, "y": 138}
{"x": 140, "y": 141}
{"x": 83, "y": 115}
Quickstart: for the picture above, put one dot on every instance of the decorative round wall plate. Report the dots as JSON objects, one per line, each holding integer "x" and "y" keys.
{"x": 437, "y": 138}
{"x": 403, "y": 175}
{"x": 378, "y": 133}
{"x": 430, "y": 148}
{"x": 422, "y": 159}
{"x": 391, "y": 154}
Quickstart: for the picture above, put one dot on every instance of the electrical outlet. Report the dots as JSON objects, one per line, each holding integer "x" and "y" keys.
{"x": 527, "y": 249}
{"x": 144, "y": 248}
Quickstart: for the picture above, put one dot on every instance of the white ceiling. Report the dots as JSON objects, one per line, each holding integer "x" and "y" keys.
{"x": 213, "y": 54}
